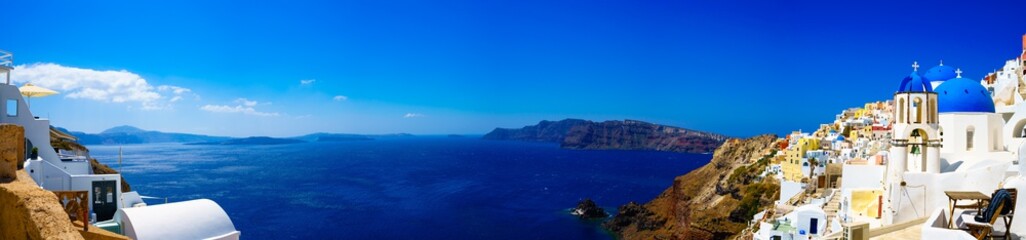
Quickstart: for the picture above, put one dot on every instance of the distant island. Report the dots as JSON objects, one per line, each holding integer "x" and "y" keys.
{"x": 252, "y": 141}
{"x": 333, "y": 137}
{"x": 133, "y": 135}
{"x": 610, "y": 135}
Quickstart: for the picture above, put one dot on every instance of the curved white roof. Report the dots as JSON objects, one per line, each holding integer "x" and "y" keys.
{"x": 194, "y": 219}
{"x": 809, "y": 207}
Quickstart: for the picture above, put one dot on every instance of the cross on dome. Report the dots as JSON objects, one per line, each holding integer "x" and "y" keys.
{"x": 959, "y": 72}
{"x": 941, "y": 62}
{"x": 915, "y": 66}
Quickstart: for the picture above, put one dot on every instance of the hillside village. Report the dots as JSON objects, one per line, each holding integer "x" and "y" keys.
{"x": 891, "y": 169}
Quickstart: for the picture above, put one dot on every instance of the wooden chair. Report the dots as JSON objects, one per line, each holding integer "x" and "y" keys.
{"x": 1011, "y": 211}
{"x": 982, "y": 230}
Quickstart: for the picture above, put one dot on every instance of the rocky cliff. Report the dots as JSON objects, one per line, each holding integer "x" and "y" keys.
{"x": 28, "y": 212}
{"x": 620, "y": 135}
{"x": 715, "y": 201}
{"x": 638, "y": 135}
{"x": 544, "y": 131}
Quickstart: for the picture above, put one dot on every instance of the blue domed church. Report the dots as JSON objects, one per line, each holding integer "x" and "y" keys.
{"x": 968, "y": 122}
{"x": 938, "y": 74}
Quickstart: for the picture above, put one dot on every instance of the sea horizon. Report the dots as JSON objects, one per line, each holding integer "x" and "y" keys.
{"x": 375, "y": 193}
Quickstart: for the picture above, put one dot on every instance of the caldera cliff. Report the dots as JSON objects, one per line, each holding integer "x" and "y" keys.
{"x": 715, "y": 201}
{"x": 618, "y": 135}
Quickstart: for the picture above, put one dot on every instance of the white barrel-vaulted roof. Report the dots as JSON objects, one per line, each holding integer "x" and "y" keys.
{"x": 194, "y": 219}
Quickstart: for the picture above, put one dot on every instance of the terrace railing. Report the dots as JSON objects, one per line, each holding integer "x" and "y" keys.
{"x": 6, "y": 59}
{"x": 76, "y": 204}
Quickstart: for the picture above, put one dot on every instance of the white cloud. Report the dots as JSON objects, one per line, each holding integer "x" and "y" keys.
{"x": 339, "y": 98}
{"x": 119, "y": 86}
{"x": 246, "y": 102}
{"x": 174, "y": 89}
{"x": 244, "y": 106}
{"x": 177, "y": 93}
{"x": 413, "y": 115}
{"x": 307, "y": 82}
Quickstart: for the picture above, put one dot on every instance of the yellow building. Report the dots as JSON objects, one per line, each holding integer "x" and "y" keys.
{"x": 807, "y": 144}
{"x": 792, "y": 165}
{"x": 859, "y": 113}
{"x": 866, "y": 132}
{"x": 794, "y": 158}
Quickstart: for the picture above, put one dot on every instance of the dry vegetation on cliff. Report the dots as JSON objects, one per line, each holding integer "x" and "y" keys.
{"x": 715, "y": 201}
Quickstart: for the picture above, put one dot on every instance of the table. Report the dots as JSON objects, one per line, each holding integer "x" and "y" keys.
{"x": 955, "y": 196}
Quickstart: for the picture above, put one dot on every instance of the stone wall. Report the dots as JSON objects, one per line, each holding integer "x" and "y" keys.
{"x": 26, "y": 211}
{"x": 12, "y": 150}
{"x": 29, "y": 212}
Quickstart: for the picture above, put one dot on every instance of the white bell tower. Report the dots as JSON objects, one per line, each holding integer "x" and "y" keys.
{"x": 915, "y": 145}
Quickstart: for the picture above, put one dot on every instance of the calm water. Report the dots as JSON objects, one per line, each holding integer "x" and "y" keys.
{"x": 401, "y": 188}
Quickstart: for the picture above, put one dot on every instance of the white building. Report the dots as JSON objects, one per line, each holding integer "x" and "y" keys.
{"x": 54, "y": 171}
{"x": 51, "y": 170}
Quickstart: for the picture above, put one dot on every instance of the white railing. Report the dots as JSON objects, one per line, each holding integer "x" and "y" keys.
{"x": 6, "y": 59}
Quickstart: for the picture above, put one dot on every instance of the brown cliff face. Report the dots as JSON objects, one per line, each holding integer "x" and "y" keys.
{"x": 544, "y": 131}
{"x": 28, "y": 212}
{"x": 638, "y": 135}
{"x": 610, "y": 135}
{"x": 715, "y": 201}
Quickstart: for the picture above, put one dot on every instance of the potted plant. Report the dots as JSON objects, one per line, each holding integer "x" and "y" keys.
{"x": 35, "y": 153}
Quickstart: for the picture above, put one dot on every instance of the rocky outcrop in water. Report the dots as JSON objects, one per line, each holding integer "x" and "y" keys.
{"x": 587, "y": 209}
{"x": 711, "y": 202}
{"x": 618, "y": 135}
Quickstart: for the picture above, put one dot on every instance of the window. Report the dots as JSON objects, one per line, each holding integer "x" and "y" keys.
{"x": 12, "y": 108}
{"x": 901, "y": 110}
{"x": 917, "y": 104}
{"x": 969, "y": 138}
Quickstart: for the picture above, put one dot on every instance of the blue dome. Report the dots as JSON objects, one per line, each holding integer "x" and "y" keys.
{"x": 963, "y": 95}
{"x": 839, "y": 138}
{"x": 915, "y": 83}
{"x": 940, "y": 73}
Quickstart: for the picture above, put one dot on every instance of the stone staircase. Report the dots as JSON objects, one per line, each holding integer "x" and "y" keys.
{"x": 832, "y": 206}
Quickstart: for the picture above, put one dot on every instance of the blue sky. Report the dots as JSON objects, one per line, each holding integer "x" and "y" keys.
{"x": 735, "y": 67}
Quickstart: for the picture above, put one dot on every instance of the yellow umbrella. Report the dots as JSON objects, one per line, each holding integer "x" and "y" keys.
{"x": 30, "y": 91}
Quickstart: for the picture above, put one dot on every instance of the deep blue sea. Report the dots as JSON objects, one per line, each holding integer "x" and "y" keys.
{"x": 403, "y": 187}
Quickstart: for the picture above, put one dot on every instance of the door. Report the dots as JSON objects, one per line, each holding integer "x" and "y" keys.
{"x": 105, "y": 201}
{"x": 814, "y": 226}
